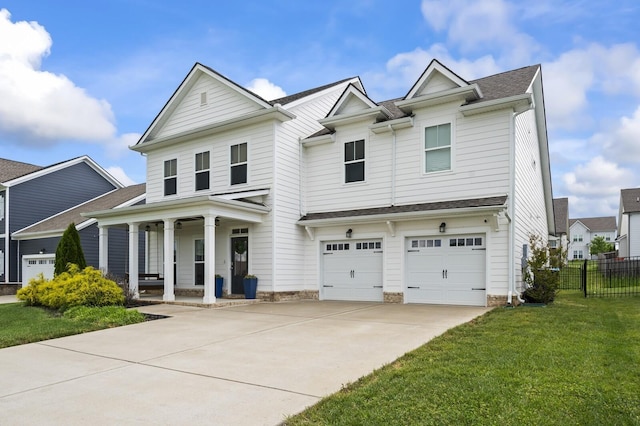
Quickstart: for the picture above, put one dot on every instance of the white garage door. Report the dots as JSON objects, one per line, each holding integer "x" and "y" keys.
{"x": 352, "y": 270}
{"x": 446, "y": 270}
{"x": 32, "y": 265}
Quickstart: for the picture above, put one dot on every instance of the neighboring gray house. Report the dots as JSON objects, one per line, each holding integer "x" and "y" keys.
{"x": 30, "y": 194}
{"x": 38, "y": 242}
{"x": 561, "y": 219}
{"x": 585, "y": 229}
{"x": 629, "y": 223}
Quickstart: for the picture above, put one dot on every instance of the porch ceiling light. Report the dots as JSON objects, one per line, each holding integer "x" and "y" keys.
{"x": 178, "y": 225}
{"x": 443, "y": 227}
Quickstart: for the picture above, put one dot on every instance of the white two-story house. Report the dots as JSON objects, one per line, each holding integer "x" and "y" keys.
{"x": 428, "y": 198}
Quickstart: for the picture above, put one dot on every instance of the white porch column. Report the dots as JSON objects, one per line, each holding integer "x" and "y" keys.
{"x": 209, "y": 259}
{"x": 169, "y": 295}
{"x": 103, "y": 248}
{"x": 133, "y": 259}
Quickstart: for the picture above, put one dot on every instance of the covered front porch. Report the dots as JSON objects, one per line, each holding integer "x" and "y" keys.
{"x": 186, "y": 243}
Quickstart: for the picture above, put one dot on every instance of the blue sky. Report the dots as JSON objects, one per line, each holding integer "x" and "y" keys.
{"x": 88, "y": 77}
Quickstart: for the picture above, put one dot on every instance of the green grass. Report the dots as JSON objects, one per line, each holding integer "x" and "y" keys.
{"x": 575, "y": 362}
{"x": 27, "y": 324}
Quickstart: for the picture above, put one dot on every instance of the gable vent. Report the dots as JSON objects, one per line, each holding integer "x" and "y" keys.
{"x": 203, "y": 98}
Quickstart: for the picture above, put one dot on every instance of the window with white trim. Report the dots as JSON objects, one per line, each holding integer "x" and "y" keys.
{"x": 202, "y": 171}
{"x": 354, "y": 161}
{"x": 577, "y": 238}
{"x": 437, "y": 148}
{"x": 577, "y": 254}
{"x": 1, "y": 206}
{"x": 239, "y": 163}
{"x": 171, "y": 177}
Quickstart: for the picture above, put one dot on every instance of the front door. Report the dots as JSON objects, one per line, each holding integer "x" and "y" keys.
{"x": 239, "y": 263}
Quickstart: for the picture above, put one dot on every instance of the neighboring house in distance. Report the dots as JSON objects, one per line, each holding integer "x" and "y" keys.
{"x": 30, "y": 194}
{"x": 39, "y": 241}
{"x": 629, "y": 223}
{"x": 583, "y": 230}
{"x": 327, "y": 194}
{"x": 561, "y": 220}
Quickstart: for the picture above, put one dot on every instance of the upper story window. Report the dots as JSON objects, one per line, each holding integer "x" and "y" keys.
{"x": 354, "y": 161}
{"x": 577, "y": 238}
{"x": 1, "y": 206}
{"x": 170, "y": 177}
{"x": 202, "y": 171}
{"x": 437, "y": 148}
{"x": 239, "y": 163}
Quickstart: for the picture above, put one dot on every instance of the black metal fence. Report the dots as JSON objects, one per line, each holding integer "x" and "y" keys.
{"x": 602, "y": 277}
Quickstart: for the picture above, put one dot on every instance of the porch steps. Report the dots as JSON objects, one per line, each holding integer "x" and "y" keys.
{"x": 197, "y": 302}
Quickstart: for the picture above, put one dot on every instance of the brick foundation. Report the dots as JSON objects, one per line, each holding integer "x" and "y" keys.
{"x": 497, "y": 300}
{"x": 280, "y": 296}
{"x": 189, "y": 292}
{"x": 393, "y": 297}
{"x": 9, "y": 289}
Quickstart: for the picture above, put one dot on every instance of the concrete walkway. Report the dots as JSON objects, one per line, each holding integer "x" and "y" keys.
{"x": 241, "y": 365}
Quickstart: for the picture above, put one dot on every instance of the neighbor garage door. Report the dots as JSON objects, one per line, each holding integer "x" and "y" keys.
{"x": 32, "y": 265}
{"x": 446, "y": 270}
{"x": 352, "y": 270}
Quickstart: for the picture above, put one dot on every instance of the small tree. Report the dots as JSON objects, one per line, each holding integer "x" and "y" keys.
{"x": 599, "y": 245}
{"x": 69, "y": 250}
{"x": 541, "y": 282}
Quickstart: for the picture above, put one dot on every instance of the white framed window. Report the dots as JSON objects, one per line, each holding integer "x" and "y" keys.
{"x": 577, "y": 254}
{"x": 171, "y": 177}
{"x": 238, "y": 163}
{"x": 437, "y": 148}
{"x": 1, "y": 206}
{"x": 354, "y": 161}
{"x": 202, "y": 171}
{"x": 577, "y": 238}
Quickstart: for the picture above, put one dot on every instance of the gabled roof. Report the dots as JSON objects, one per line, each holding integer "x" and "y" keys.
{"x": 435, "y": 67}
{"x": 10, "y": 169}
{"x": 630, "y": 200}
{"x": 506, "y": 84}
{"x": 595, "y": 224}
{"x": 41, "y": 171}
{"x": 55, "y": 225}
{"x": 296, "y": 96}
{"x": 561, "y": 215}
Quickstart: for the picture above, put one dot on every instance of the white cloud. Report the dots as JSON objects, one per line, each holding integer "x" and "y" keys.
{"x": 594, "y": 69}
{"x": 118, "y": 173}
{"x": 40, "y": 107}
{"x": 119, "y": 146}
{"x": 266, "y": 89}
{"x": 622, "y": 143}
{"x": 478, "y": 25}
{"x": 594, "y": 187}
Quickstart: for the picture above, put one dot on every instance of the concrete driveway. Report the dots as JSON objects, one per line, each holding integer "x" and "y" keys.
{"x": 242, "y": 365}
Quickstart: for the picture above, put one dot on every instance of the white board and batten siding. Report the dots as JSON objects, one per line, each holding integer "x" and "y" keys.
{"x": 634, "y": 235}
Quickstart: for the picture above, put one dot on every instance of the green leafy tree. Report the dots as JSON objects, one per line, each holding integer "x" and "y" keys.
{"x": 600, "y": 245}
{"x": 541, "y": 281}
{"x": 69, "y": 250}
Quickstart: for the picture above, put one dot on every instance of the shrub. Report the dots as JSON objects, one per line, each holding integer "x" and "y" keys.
{"x": 541, "y": 282}
{"x": 87, "y": 287}
{"x": 69, "y": 250}
{"x": 107, "y": 316}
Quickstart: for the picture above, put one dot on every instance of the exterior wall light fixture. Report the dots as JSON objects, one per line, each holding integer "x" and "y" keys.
{"x": 443, "y": 227}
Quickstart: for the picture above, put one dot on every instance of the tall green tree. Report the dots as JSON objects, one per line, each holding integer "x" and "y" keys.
{"x": 69, "y": 250}
{"x": 600, "y": 245}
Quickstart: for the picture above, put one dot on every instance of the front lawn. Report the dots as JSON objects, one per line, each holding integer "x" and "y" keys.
{"x": 575, "y": 362}
{"x": 25, "y": 324}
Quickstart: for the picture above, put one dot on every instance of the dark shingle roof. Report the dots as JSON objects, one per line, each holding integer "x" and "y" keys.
{"x": 10, "y": 169}
{"x": 104, "y": 202}
{"x": 630, "y": 199}
{"x": 290, "y": 98}
{"x": 422, "y": 207}
{"x": 561, "y": 215}
{"x": 505, "y": 84}
{"x": 597, "y": 223}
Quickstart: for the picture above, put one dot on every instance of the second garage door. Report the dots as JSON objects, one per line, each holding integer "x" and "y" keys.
{"x": 447, "y": 270}
{"x": 352, "y": 270}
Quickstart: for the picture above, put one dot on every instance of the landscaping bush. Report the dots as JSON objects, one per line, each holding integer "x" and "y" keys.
{"x": 87, "y": 287}
{"x": 541, "y": 282}
{"x": 69, "y": 251}
{"x": 107, "y": 316}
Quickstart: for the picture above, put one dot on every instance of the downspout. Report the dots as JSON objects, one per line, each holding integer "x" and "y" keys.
{"x": 393, "y": 165}
{"x": 512, "y": 210}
